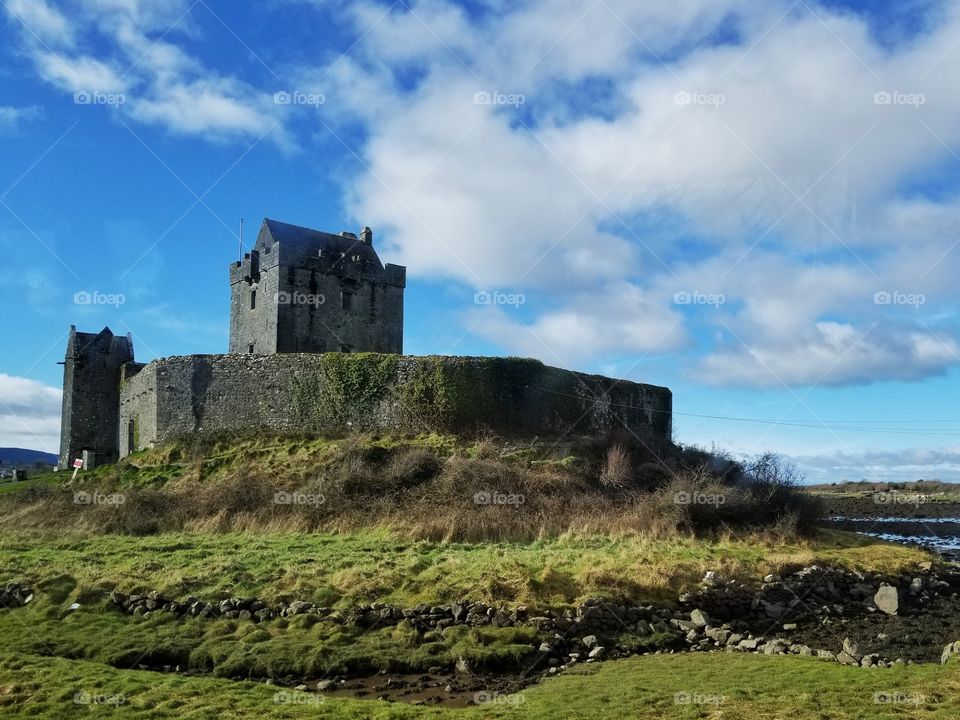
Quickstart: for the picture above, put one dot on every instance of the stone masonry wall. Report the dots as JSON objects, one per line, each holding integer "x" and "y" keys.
{"x": 138, "y": 409}
{"x": 91, "y": 379}
{"x": 334, "y": 392}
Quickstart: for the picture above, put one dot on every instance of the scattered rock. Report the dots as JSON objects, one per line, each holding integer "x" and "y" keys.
{"x": 846, "y": 659}
{"x": 852, "y": 649}
{"x": 887, "y": 599}
{"x": 699, "y": 618}
{"x": 949, "y": 651}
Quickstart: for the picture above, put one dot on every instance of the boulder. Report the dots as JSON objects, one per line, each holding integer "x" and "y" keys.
{"x": 718, "y": 635}
{"x": 299, "y": 606}
{"x": 949, "y": 651}
{"x": 887, "y": 599}
{"x": 852, "y": 649}
{"x": 774, "y": 647}
{"x": 845, "y": 658}
{"x": 699, "y": 618}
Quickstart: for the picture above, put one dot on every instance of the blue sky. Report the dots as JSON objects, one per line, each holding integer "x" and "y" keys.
{"x": 754, "y": 204}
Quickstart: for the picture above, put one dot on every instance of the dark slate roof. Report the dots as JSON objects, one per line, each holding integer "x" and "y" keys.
{"x": 105, "y": 340}
{"x": 296, "y": 241}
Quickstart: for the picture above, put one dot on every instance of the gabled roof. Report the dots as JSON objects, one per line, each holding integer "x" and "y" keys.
{"x": 80, "y": 342}
{"x": 296, "y": 242}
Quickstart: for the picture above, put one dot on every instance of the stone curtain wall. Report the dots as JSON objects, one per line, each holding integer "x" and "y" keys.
{"x": 334, "y": 392}
{"x": 138, "y": 409}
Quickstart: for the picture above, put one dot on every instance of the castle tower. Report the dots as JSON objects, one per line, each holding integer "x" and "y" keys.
{"x": 91, "y": 396}
{"x": 302, "y": 290}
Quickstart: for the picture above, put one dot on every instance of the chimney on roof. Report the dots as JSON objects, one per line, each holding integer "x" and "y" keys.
{"x": 366, "y": 235}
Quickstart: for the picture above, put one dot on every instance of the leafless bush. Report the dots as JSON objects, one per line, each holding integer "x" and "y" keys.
{"x": 617, "y": 469}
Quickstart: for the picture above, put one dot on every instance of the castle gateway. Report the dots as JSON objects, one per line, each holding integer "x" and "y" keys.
{"x": 316, "y": 336}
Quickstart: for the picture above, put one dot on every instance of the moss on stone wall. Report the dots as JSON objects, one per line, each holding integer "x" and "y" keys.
{"x": 459, "y": 394}
{"x": 343, "y": 385}
{"x": 467, "y": 393}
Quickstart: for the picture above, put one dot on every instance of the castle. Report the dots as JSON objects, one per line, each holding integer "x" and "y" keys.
{"x": 302, "y": 302}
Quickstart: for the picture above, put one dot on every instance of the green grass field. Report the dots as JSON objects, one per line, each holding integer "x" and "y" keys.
{"x": 687, "y": 686}
{"x": 92, "y": 649}
{"x": 349, "y": 569}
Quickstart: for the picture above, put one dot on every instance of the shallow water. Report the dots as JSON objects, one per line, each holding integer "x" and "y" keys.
{"x": 942, "y": 535}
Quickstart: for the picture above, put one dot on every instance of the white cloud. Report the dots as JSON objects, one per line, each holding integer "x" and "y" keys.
{"x": 622, "y": 318}
{"x": 779, "y": 170}
{"x": 29, "y": 414}
{"x": 216, "y": 108}
{"x": 883, "y": 465}
{"x": 832, "y": 353}
{"x": 120, "y": 52}
{"x": 12, "y": 117}
{"x": 78, "y": 74}
{"x": 40, "y": 20}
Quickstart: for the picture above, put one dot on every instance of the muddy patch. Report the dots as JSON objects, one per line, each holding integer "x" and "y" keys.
{"x": 429, "y": 689}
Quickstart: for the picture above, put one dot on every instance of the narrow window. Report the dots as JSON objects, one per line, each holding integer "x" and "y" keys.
{"x": 346, "y": 301}
{"x": 250, "y": 348}
{"x": 253, "y": 299}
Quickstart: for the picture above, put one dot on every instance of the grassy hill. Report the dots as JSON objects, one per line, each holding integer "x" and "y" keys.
{"x": 344, "y": 522}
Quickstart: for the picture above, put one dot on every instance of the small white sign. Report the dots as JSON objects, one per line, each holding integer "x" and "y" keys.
{"x": 78, "y": 463}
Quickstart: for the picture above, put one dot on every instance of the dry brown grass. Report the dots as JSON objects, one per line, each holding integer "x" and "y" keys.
{"x": 484, "y": 494}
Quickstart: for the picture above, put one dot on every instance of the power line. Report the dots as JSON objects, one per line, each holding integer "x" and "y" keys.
{"x": 820, "y": 425}
{"x": 824, "y": 426}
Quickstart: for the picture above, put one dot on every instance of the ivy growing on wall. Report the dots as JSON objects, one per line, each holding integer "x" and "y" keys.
{"x": 453, "y": 394}
{"x": 343, "y": 386}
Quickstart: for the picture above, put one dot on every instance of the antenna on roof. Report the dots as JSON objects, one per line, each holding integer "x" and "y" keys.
{"x": 241, "y": 240}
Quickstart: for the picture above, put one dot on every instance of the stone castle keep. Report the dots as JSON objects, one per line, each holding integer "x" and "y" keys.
{"x": 302, "y": 304}
{"x": 304, "y": 291}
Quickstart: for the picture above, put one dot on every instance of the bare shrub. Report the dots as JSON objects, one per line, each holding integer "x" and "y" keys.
{"x": 617, "y": 470}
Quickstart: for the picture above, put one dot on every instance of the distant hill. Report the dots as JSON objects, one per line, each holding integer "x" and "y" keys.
{"x": 21, "y": 456}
